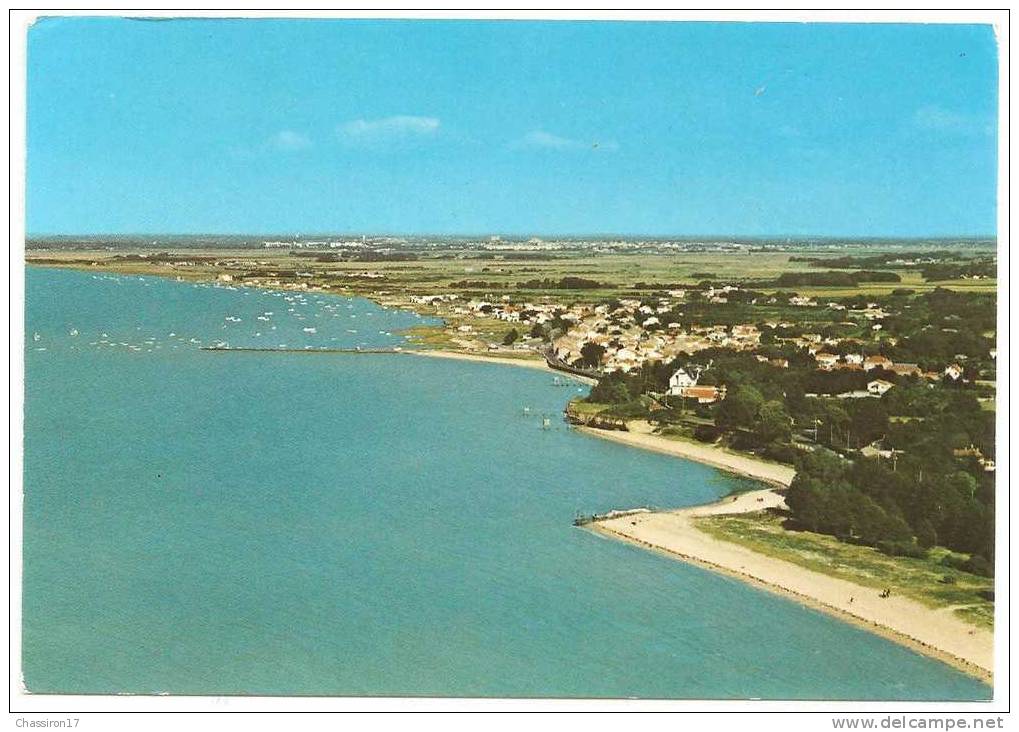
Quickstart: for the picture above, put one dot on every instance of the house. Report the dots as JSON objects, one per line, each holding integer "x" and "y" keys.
{"x": 782, "y": 363}
{"x": 826, "y": 361}
{"x": 876, "y": 362}
{"x": 953, "y": 371}
{"x": 626, "y": 355}
{"x": 854, "y": 358}
{"x": 878, "y": 387}
{"x": 746, "y": 332}
{"x": 703, "y": 394}
{"x": 874, "y": 450}
{"x": 971, "y": 451}
{"x": 858, "y": 394}
{"x": 679, "y": 381}
{"x": 905, "y": 369}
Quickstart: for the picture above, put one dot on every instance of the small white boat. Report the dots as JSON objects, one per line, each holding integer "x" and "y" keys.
{"x": 36, "y": 337}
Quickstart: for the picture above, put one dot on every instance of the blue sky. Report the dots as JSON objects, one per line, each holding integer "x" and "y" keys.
{"x": 737, "y": 129}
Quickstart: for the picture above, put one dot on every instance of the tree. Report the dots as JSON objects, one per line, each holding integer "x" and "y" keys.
{"x": 832, "y": 422}
{"x": 739, "y": 409}
{"x": 591, "y": 354}
{"x": 963, "y": 483}
{"x": 510, "y": 338}
{"x": 869, "y": 420}
{"x": 926, "y": 536}
{"x": 773, "y": 423}
{"x": 610, "y": 391}
{"x": 804, "y": 499}
{"x": 822, "y": 465}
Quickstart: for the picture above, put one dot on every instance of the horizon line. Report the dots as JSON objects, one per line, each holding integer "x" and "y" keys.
{"x": 513, "y": 235}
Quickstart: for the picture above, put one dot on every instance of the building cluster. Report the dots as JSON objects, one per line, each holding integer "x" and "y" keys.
{"x": 632, "y": 334}
{"x": 623, "y": 335}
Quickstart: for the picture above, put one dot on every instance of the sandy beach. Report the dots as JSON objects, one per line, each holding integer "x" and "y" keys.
{"x": 937, "y": 633}
{"x": 640, "y": 435}
{"x": 531, "y": 363}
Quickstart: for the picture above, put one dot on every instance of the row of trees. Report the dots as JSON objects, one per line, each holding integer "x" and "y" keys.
{"x": 901, "y": 509}
{"x": 564, "y": 283}
{"x": 833, "y": 279}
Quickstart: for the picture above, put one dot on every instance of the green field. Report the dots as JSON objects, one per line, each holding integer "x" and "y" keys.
{"x": 438, "y": 272}
{"x": 925, "y": 580}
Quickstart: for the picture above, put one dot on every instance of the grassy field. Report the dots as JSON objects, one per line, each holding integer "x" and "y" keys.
{"x": 924, "y": 580}
{"x": 585, "y": 408}
{"x": 448, "y": 337}
{"x": 496, "y": 277}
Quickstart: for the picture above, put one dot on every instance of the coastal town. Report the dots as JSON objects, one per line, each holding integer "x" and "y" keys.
{"x": 408, "y": 359}
{"x": 866, "y": 395}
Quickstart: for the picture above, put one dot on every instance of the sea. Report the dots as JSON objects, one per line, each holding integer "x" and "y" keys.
{"x": 317, "y": 523}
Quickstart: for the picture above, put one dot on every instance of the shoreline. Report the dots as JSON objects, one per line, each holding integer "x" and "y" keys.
{"x": 530, "y": 363}
{"x": 931, "y": 632}
{"x": 747, "y": 466}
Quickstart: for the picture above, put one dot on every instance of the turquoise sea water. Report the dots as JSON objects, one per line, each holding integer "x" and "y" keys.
{"x": 253, "y": 523}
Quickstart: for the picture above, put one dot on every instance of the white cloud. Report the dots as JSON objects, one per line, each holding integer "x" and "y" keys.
{"x": 290, "y": 140}
{"x": 399, "y": 126}
{"x": 548, "y": 141}
{"x": 540, "y": 138}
